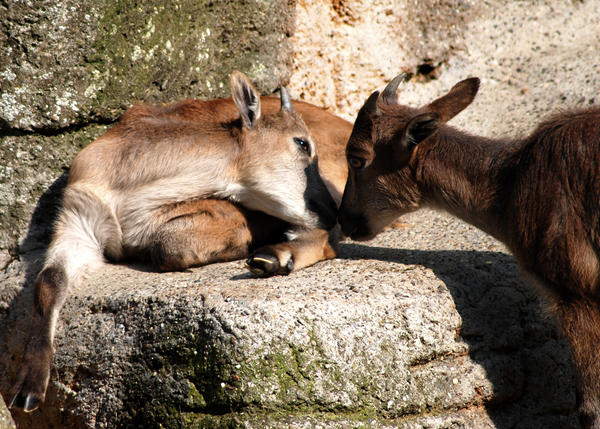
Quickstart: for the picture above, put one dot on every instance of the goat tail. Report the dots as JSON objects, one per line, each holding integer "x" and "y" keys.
{"x": 85, "y": 231}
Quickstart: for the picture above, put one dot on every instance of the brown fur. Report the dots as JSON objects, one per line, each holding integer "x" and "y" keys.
{"x": 540, "y": 195}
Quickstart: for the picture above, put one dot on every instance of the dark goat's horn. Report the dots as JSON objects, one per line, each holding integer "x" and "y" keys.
{"x": 389, "y": 93}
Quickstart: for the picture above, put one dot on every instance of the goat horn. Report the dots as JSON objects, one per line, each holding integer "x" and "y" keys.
{"x": 389, "y": 93}
{"x": 286, "y": 104}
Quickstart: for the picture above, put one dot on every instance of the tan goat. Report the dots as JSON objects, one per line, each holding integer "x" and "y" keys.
{"x": 540, "y": 195}
{"x": 189, "y": 184}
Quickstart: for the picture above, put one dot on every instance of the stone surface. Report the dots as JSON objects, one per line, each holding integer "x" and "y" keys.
{"x": 428, "y": 325}
{"x": 6, "y": 421}
{"x": 64, "y": 63}
{"x": 414, "y": 328}
{"x": 532, "y": 56}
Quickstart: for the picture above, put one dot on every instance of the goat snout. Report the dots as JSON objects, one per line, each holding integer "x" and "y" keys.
{"x": 351, "y": 224}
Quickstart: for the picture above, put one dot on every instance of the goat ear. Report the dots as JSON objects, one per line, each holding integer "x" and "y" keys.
{"x": 370, "y": 106}
{"x": 246, "y": 98}
{"x": 419, "y": 128}
{"x": 459, "y": 97}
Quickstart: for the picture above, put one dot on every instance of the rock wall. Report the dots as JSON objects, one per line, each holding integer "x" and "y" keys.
{"x": 428, "y": 325}
{"x": 532, "y": 56}
{"x": 65, "y": 63}
{"x": 344, "y": 48}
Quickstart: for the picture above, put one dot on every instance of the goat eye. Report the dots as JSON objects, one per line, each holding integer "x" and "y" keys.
{"x": 356, "y": 163}
{"x": 303, "y": 144}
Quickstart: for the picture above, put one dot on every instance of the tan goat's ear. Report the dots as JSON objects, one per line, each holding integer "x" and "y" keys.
{"x": 419, "y": 128}
{"x": 459, "y": 97}
{"x": 247, "y": 99}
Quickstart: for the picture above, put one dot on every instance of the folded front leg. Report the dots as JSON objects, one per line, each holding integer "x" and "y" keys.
{"x": 305, "y": 248}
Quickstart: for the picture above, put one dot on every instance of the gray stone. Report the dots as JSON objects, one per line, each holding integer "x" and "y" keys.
{"x": 6, "y": 421}
{"x": 64, "y": 63}
{"x": 403, "y": 331}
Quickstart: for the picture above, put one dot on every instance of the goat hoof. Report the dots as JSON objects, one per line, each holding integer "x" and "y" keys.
{"x": 27, "y": 403}
{"x": 263, "y": 264}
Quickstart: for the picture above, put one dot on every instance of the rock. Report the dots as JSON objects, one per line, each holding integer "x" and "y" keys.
{"x": 404, "y": 331}
{"x": 526, "y": 53}
{"x": 428, "y": 325}
{"x": 6, "y": 421}
{"x": 356, "y": 45}
{"x": 64, "y": 63}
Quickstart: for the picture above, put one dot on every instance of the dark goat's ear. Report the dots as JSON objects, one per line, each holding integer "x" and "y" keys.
{"x": 459, "y": 97}
{"x": 370, "y": 106}
{"x": 419, "y": 128}
{"x": 247, "y": 99}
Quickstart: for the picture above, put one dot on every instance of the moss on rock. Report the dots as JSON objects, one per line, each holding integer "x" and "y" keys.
{"x": 197, "y": 372}
{"x": 92, "y": 60}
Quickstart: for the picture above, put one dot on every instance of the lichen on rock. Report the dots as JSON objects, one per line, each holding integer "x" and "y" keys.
{"x": 64, "y": 63}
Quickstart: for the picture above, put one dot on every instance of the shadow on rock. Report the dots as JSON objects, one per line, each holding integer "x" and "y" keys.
{"x": 507, "y": 330}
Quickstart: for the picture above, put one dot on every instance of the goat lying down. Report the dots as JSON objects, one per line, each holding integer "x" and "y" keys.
{"x": 540, "y": 195}
{"x": 189, "y": 184}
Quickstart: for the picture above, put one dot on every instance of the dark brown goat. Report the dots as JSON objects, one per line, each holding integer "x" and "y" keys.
{"x": 539, "y": 195}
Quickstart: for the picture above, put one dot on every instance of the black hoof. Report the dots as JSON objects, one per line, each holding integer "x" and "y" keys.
{"x": 266, "y": 264}
{"x": 263, "y": 264}
{"x": 27, "y": 403}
